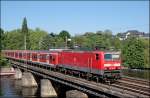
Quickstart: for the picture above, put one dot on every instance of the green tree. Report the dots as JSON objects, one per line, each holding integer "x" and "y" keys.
{"x": 146, "y": 52}
{"x": 47, "y": 42}
{"x": 3, "y": 61}
{"x": 116, "y": 43}
{"x": 107, "y": 33}
{"x": 79, "y": 40}
{"x": 13, "y": 40}
{"x": 63, "y": 34}
{"x": 26, "y": 34}
{"x": 1, "y": 38}
{"x": 99, "y": 32}
{"x": 133, "y": 53}
{"x": 36, "y": 37}
{"x": 59, "y": 42}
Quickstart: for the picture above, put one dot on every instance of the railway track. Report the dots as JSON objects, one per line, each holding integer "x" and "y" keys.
{"x": 139, "y": 86}
{"x": 136, "y": 80}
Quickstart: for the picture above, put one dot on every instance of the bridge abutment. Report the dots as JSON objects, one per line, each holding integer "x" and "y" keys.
{"x": 47, "y": 90}
{"x": 28, "y": 80}
{"x": 75, "y": 94}
{"x": 18, "y": 74}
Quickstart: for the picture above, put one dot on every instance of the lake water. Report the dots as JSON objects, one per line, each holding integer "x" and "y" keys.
{"x": 12, "y": 88}
{"x": 144, "y": 74}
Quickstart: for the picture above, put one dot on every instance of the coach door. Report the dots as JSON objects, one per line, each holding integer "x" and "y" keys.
{"x": 47, "y": 58}
{"x": 90, "y": 62}
{"x": 51, "y": 59}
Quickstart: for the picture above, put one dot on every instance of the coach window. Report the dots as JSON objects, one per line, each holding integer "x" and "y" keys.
{"x": 35, "y": 56}
{"x": 97, "y": 56}
{"x": 43, "y": 56}
{"x": 20, "y": 54}
{"x": 16, "y": 54}
{"x": 28, "y": 54}
{"x": 24, "y": 54}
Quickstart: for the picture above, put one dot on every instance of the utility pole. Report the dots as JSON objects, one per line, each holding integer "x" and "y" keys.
{"x": 40, "y": 42}
{"x": 66, "y": 42}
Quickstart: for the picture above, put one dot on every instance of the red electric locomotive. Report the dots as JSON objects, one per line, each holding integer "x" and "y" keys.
{"x": 97, "y": 63}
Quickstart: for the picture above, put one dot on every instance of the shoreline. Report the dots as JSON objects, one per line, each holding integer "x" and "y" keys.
{"x": 7, "y": 71}
{"x": 135, "y": 68}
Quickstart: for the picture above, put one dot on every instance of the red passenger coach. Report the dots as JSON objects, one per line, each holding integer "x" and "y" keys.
{"x": 53, "y": 58}
{"x": 20, "y": 55}
{"x": 26, "y": 55}
{"x": 16, "y": 55}
{"x": 48, "y": 57}
{"x": 34, "y": 56}
{"x": 43, "y": 57}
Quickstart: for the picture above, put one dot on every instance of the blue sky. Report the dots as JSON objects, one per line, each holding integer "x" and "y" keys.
{"x": 76, "y": 17}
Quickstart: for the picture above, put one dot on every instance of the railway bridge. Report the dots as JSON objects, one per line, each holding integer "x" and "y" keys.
{"x": 122, "y": 88}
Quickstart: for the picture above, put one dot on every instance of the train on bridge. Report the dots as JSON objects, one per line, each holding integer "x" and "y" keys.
{"x": 94, "y": 64}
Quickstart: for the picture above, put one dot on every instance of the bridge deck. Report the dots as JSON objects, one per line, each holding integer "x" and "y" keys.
{"x": 97, "y": 89}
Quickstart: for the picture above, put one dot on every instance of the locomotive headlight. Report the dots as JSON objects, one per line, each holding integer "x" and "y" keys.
{"x": 107, "y": 65}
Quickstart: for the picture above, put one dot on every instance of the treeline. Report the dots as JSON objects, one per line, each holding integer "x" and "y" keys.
{"x": 134, "y": 51}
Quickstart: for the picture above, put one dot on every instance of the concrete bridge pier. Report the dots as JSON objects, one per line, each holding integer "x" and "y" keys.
{"x": 75, "y": 94}
{"x": 18, "y": 74}
{"x": 29, "y": 91}
{"x": 28, "y": 80}
{"x": 47, "y": 90}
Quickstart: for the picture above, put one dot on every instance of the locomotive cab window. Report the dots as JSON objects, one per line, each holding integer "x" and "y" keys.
{"x": 97, "y": 56}
{"x": 115, "y": 56}
{"x": 108, "y": 56}
{"x": 112, "y": 56}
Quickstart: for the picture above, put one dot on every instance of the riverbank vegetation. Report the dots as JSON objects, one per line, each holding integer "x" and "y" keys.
{"x": 134, "y": 51}
{"x": 3, "y": 61}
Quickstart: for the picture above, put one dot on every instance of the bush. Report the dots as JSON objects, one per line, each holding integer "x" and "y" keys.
{"x": 3, "y": 62}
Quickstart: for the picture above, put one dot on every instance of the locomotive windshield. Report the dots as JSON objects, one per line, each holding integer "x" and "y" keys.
{"x": 111, "y": 57}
